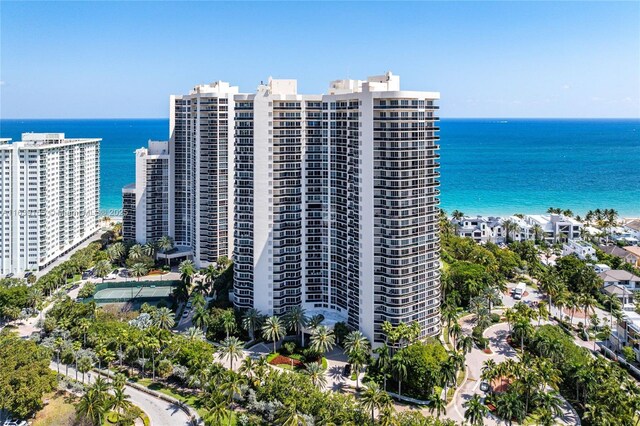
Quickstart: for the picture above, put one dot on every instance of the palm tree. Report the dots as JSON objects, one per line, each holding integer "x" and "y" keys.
{"x": 165, "y": 244}
{"x": 588, "y": 302}
{"x": 115, "y": 252}
{"x": 120, "y": 400}
{"x": 509, "y": 406}
{"x": 383, "y": 362}
{"x": 549, "y": 401}
{"x": 200, "y": 317}
{"x": 465, "y": 344}
{"x": 251, "y": 321}
{"x": 315, "y": 321}
{"x": 272, "y": 329}
{"x": 356, "y": 342}
{"x": 450, "y": 314}
{"x": 438, "y": 404}
{"x": 475, "y": 410}
{"x": 288, "y": 415}
{"x": 84, "y": 325}
{"x": 614, "y": 304}
{"x": 218, "y": 413}
{"x": 102, "y": 269}
{"x": 509, "y": 226}
{"x": 296, "y": 320}
{"x": 322, "y": 339}
{"x": 399, "y": 364}
{"x": 538, "y": 233}
{"x": 163, "y": 318}
{"x": 491, "y": 296}
{"x": 454, "y": 332}
{"x": 231, "y": 348}
{"x": 139, "y": 270}
{"x": 187, "y": 270}
{"x": 316, "y": 373}
{"x": 92, "y": 406}
{"x": 357, "y": 348}
{"x": 211, "y": 273}
{"x": 374, "y": 398}
{"x": 448, "y": 371}
{"x": 522, "y": 329}
{"x": 194, "y": 334}
{"x": 136, "y": 252}
{"x": 228, "y": 320}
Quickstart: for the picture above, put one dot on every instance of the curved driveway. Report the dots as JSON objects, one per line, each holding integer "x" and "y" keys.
{"x": 160, "y": 412}
{"x": 497, "y": 335}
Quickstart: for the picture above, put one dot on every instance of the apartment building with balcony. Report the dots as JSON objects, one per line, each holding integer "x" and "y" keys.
{"x": 202, "y": 158}
{"x": 145, "y": 203}
{"x": 336, "y": 201}
{"x": 49, "y": 198}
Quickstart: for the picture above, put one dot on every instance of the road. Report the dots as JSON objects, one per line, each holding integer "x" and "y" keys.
{"x": 160, "y": 412}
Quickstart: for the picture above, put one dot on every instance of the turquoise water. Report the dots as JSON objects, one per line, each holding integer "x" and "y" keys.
{"x": 488, "y": 165}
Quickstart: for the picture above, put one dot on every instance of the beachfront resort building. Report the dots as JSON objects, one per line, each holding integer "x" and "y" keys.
{"x": 333, "y": 198}
{"x": 337, "y": 203}
{"x": 49, "y": 197}
{"x": 552, "y": 228}
{"x": 145, "y": 203}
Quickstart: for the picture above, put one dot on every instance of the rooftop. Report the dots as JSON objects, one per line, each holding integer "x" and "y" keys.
{"x": 633, "y": 250}
{"x": 618, "y": 275}
{"x": 634, "y": 224}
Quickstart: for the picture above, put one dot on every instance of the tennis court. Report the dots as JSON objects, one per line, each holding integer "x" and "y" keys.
{"x": 151, "y": 292}
{"x": 129, "y": 293}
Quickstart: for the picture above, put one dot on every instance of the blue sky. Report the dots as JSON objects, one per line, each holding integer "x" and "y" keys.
{"x": 499, "y": 59}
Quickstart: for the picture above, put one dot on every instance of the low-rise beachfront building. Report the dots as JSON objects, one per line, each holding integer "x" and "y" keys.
{"x": 633, "y": 229}
{"x": 480, "y": 229}
{"x": 623, "y": 294}
{"x": 620, "y": 252}
{"x": 600, "y": 267}
{"x": 620, "y": 277}
{"x": 627, "y": 333}
{"x": 580, "y": 248}
{"x": 49, "y": 196}
{"x": 556, "y": 227}
{"x": 145, "y": 203}
{"x": 635, "y": 252}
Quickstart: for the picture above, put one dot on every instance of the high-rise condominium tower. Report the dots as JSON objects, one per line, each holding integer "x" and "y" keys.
{"x": 145, "y": 203}
{"x": 49, "y": 197}
{"x": 201, "y": 146}
{"x": 336, "y": 203}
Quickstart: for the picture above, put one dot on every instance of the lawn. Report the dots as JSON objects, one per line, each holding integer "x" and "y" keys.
{"x": 58, "y": 410}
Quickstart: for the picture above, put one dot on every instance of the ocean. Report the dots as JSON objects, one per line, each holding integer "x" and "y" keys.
{"x": 488, "y": 166}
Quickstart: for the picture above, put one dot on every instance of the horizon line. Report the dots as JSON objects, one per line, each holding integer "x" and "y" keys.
{"x": 454, "y": 117}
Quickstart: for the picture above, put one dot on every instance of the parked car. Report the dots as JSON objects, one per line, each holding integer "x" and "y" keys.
{"x": 347, "y": 370}
{"x": 9, "y": 275}
{"x": 484, "y": 386}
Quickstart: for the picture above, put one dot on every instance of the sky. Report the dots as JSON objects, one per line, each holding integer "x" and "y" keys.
{"x": 493, "y": 59}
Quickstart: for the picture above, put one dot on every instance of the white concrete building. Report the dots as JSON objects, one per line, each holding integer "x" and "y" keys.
{"x": 337, "y": 203}
{"x": 600, "y": 267}
{"x": 481, "y": 229}
{"x": 145, "y": 203}
{"x": 202, "y": 162}
{"x": 49, "y": 197}
{"x": 556, "y": 228}
{"x": 580, "y": 248}
{"x": 632, "y": 228}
